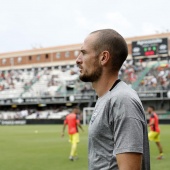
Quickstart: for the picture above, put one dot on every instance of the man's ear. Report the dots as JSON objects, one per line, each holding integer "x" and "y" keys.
{"x": 105, "y": 56}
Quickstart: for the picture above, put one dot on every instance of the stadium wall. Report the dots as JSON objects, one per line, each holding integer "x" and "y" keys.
{"x": 50, "y": 122}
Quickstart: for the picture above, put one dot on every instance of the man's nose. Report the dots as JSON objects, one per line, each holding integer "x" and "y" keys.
{"x": 78, "y": 59}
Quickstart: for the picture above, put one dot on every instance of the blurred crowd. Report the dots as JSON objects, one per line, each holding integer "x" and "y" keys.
{"x": 51, "y": 81}
{"x": 157, "y": 79}
{"x": 41, "y": 113}
{"x": 155, "y": 76}
{"x": 54, "y": 81}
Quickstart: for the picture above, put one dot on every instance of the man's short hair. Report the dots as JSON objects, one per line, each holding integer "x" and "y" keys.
{"x": 152, "y": 107}
{"x": 76, "y": 109}
{"x": 114, "y": 43}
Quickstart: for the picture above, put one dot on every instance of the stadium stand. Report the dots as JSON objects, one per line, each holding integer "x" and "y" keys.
{"x": 46, "y": 80}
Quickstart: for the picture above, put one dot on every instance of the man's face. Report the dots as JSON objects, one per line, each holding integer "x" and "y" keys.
{"x": 149, "y": 110}
{"x": 76, "y": 111}
{"x": 88, "y": 62}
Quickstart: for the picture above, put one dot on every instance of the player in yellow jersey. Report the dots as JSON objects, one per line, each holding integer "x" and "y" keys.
{"x": 154, "y": 134}
{"x": 73, "y": 122}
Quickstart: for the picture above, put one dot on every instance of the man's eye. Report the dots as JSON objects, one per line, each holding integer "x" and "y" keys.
{"x": 83, "y": 52}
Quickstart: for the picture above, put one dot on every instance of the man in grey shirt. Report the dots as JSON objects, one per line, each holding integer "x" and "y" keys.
{"x": 118, "y": 136}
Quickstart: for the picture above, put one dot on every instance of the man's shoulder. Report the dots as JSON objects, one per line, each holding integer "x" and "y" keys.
{"x": 71, "y": 115}
{"x": 123, "y": 91}
{"x": 152, "y": 115}
{"x": 155, "y": 115}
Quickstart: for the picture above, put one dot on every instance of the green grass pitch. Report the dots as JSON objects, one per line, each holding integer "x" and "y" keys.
{"x": 40, "y": 147}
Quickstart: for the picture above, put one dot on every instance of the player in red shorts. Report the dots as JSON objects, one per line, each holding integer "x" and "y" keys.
{"x": 73, "y": 122}
{"x": 154, "y": 134}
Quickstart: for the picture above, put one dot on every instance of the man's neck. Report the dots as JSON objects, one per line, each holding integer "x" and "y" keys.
{"x": 104, "y": 84}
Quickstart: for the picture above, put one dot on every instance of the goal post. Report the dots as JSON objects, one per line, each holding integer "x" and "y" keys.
{"x": 87, "y": 113}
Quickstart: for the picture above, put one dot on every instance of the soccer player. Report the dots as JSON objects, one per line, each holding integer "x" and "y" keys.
{"x": 118, "y": 135}
{"x": 154, "y": 134}
{"x": 73, "y": 122}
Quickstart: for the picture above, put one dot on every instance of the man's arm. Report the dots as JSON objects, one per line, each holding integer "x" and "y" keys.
{"x": 129, "y": 161}
{"x": 151, "y": 123}
{"x": 79, "y": 125}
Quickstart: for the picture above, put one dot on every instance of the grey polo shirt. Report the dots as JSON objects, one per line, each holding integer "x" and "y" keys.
{"x": 118, "y": 125}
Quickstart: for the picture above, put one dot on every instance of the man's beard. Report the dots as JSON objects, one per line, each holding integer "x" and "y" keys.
{"x": 93, "y": 76}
